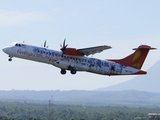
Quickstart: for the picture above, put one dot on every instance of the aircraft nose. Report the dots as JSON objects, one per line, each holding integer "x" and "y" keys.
{"x": 5, "y": 50}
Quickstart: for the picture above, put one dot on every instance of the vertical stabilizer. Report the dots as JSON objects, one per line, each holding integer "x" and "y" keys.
{"x": 137, "y": 58}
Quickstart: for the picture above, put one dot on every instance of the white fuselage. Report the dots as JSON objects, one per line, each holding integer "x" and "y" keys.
{"x": 63, "y": 61}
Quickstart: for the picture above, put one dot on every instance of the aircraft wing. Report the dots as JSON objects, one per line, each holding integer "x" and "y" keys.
{"x": 93, "y": 50}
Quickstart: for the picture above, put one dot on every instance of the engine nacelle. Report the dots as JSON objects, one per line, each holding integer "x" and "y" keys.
{"x": 73, "y": 51}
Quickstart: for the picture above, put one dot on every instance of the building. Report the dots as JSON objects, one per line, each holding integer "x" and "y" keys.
{"x": 154, "y": 116}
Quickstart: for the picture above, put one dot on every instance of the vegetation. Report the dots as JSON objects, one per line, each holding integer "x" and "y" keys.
{"x": 38, "y": 111}
{"x": 100, "y": 98}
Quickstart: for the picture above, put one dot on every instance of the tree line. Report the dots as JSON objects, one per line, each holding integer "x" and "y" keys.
{"x": 42, "y": 111}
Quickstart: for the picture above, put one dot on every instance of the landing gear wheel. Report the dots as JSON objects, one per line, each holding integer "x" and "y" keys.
{"x": 63, "y": 71}
{"x": 73, "y": 71}
{"x": 10, "y": 59}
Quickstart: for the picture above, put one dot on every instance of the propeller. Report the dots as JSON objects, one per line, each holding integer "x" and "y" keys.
{"x": 63, "y": 48}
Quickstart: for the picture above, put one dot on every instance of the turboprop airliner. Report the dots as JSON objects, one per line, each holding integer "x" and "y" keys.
{"x": 73, "y": 60}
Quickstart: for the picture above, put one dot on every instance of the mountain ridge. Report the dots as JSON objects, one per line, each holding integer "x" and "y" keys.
{"x": 148, "y": 83}
{"x": 129, "y": 97}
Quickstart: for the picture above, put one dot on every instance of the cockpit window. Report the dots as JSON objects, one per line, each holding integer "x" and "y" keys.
{"x": 18, "y": 45}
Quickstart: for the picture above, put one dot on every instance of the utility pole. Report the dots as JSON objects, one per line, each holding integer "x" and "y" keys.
{"x": 50, "y": 109}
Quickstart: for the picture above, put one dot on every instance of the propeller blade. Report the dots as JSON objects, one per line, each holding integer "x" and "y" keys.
{"x": 45, "y": 43}
{"x": 63, "y": 48}
{"x": 64, "y": 42}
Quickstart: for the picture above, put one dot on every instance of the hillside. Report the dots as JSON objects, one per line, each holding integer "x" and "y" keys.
{"x": 131, "y": 97}
{"x": 148, "y": 83}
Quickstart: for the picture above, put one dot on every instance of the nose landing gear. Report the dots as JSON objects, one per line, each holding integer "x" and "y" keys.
{"x": 10, "y": 58}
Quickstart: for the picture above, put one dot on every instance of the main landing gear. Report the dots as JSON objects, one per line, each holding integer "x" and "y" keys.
{"x": 63, "y": 71}
{"x": 72, "y": 70}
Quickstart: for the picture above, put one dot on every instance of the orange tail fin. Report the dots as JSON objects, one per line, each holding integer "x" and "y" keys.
{"x": 137, "y": 58}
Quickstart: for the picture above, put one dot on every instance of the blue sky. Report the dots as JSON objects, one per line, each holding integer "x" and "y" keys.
{"x": 124, "y": 25}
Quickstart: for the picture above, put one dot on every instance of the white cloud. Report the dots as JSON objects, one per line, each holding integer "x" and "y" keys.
{"x": 12, "y": 18}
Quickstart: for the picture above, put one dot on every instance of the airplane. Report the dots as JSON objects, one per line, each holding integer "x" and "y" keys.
{"x": 74, "y": 60}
